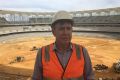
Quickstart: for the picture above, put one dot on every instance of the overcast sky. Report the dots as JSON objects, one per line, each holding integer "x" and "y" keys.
{"x": 55, "y": 5}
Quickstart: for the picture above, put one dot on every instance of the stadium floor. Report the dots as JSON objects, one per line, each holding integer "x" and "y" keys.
{"x": 101, "y": 50}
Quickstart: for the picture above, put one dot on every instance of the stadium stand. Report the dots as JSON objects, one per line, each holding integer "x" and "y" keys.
{"x": 3, "y": 20}
{"x": 98, "y": 19}
{"x": 40, "y": 20}
{"x": 86, "y": 19}
{"x": 91, "y": 21}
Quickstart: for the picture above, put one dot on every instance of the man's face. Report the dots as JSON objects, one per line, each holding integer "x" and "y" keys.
{"x": 63, "y": 32}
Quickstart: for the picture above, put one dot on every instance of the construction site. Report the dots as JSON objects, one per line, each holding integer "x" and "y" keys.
{"x": 97, "y": 30}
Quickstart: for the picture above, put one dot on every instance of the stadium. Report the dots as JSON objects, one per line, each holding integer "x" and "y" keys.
{"x": 22, "y": 33}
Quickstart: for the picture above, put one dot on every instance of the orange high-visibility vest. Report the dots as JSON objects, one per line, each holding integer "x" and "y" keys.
{"x": 52, "y": 69}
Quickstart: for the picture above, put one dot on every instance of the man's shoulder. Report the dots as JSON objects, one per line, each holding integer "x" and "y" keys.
{"x": 80, "y": 45}
{"x": 45, "y": 46}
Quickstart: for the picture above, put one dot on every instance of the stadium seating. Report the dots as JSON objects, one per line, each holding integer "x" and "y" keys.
{"x": 3, "y": 20}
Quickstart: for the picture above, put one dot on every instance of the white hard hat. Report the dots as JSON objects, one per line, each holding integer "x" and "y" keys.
{"x": 62, "y": 15}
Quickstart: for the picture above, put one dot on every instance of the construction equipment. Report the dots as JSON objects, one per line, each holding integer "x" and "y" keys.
{"x": 100, "y": 67}
{"x": 18, "y": 59}
{"x": 116, "y": 67}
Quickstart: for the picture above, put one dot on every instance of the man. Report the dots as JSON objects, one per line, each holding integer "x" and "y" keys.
{"x": 62, "y": 60}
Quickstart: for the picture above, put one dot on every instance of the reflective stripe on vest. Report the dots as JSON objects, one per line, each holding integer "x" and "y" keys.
{"x": 47, "y": 55}
{"x": 52, "y": 69}
{"x": 77, "y": 51}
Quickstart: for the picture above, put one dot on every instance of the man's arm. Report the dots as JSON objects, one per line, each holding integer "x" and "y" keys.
{"x": 37, "y": 74}
{"x": 88, "y": 71}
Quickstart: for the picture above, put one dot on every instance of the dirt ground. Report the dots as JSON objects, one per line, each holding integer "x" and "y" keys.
{"x": 101, "y": 51}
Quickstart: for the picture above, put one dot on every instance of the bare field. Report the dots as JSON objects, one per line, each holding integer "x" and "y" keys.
{"x": 101, "y": 50}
